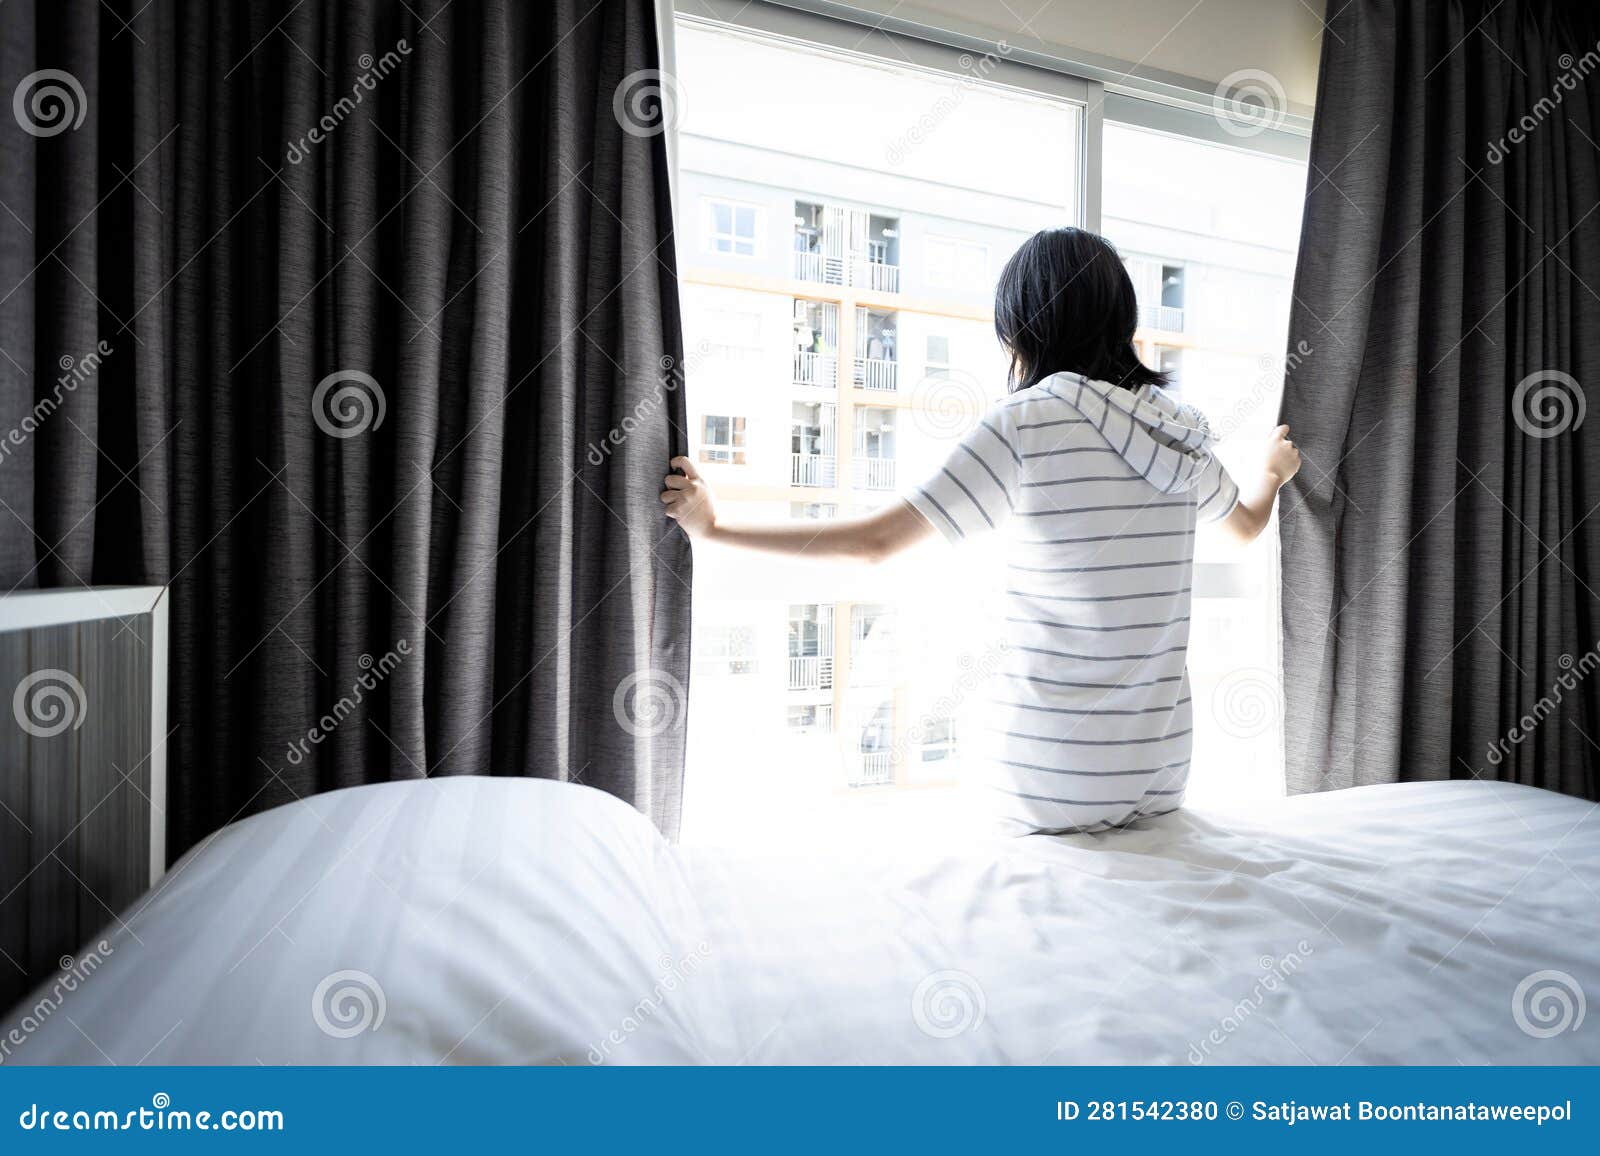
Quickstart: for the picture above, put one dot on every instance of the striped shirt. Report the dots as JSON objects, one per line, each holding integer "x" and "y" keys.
{"x": 1097, "y": 491}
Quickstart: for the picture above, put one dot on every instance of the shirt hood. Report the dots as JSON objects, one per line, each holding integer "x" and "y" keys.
{"x": 1167, "y": 442}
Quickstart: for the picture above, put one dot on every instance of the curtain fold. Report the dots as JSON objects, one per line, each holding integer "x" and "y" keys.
{"x": 356, "y": 323}
{"x": 1440, "y": 615}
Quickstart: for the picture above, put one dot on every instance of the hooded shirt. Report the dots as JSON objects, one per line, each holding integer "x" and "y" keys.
{"x": 1096, "y": 491}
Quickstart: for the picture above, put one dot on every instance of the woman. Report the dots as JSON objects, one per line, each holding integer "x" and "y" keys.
{"x": 1096, "y": 478}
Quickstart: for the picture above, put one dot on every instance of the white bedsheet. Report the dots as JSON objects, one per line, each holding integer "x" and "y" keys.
{"x": 496, "y": 920}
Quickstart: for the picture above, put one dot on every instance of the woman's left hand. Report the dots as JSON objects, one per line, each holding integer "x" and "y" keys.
{"x": 687, "y": 497}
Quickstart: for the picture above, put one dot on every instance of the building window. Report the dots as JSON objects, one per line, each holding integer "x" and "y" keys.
{"x": 811, "y": 646}
{"x": 875, "y": 750}
{"x": 722, "y": 440}
{"x": 939, "y": 741}
{"x": 726, "y": 649}
{"x": 954, "y": 264}
{"x": 936, "y": 362}
{"x": 871, "y": 644}
{"x": 812, "y": 719}
{"x": 875, "y": 457}
{"x": 733, "y": 333}
{"x": 1159, "y": 286}
{"x": 815, "y": 511}
{"x": 1172, "y": 286}
{"x": 1169, "y": 360}
{"x": 732, "y": 228}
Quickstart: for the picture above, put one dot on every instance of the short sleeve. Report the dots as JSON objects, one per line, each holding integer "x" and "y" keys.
{"x": 976, "y": 488}
{"x": 1216, "y": 491}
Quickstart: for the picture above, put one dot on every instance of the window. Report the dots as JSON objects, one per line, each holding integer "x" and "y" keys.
{"x": 818, "y": 511}
{"x": 875, "y": 443}
{"x": 1218, "y": 267}
{"x": 1172, "y": 286}
{"x": 939, "y": 741}
{"x": 810, "y": 630}
{"x": 936, "y": 362}
{"x": 811, "y": 719}
{"x": 722, "y": 440}
{"x": 1169, "y": 360}
{"x": 875, "y": 755}
{"x": 732, "y": 329}
{"x": 723, "y": 650}
{"x": 954, "y": 264}
{"x": 732, "y": 228}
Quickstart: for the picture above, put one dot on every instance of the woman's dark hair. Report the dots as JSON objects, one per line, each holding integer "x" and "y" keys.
{"x": 1065, "y": 304}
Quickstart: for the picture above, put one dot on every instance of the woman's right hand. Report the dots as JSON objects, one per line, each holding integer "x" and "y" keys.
{"x": 688, "y": 499}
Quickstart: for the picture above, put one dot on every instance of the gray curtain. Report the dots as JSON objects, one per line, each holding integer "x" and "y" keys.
{"x": 356, "y": 322}
{"x": 1440, "y": 614}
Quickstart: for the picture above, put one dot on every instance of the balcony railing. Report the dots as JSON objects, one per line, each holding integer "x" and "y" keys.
{"x": 811, "y": 469}
{"x": 1164, "y": 317}
{"x": 875, "y": 769}
{"x": 864, "y": 274}
{"x": 877, "y": 373}
{"x": 819, "y": 267}
{"x": 875, "y": 275}
{"x": 811, "y": 672}
{"x": 874, "y": 473}
{"x": 815, "y": 368}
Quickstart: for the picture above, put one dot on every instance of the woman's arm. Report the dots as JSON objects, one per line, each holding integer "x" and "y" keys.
{"x": 865, "y": 538}
{"x": 1254, "y": 509}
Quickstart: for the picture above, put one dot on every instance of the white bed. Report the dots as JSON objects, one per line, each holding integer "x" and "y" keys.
{"x": 479, "y": 920}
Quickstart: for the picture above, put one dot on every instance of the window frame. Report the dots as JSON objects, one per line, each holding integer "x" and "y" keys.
{"x": 736, "y": 445}
{"x": 711, "y": 234}
{"x": 1168, "y": 105}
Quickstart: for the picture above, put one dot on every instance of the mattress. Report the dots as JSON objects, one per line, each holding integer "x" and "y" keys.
{"x": 480, "y": 920}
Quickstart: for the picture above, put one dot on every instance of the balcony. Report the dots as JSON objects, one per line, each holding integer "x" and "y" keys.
{"x": 874, "y": 473}
{"x": 869, "y": 274}
{"x": 815, "y": 369}
{"x": 875, "y": 769}
{"x": 877, "y": 373}
{"x": 1164, "y": 317}
{"x": 811, "y": 470}
{"x": 811, "y": 672}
